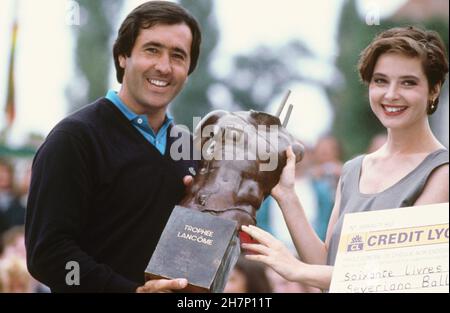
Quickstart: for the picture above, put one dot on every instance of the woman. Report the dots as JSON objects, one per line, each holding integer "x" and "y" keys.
{"x": 404, "y": 69}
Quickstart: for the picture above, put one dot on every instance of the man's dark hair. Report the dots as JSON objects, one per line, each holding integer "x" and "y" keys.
{"x": 147, "y": 15}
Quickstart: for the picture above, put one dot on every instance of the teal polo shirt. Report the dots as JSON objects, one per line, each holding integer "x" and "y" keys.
{"x": 140, "y": 122}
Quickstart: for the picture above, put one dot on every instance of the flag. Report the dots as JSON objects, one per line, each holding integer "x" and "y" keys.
{"x": 10, "y": 110}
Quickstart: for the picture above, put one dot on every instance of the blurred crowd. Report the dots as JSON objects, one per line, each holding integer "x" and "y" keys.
{"x": 317, "y": 178}
{"x": 14, "y": 276}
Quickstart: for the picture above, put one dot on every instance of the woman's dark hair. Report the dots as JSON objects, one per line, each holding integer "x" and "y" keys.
{"x": 147, "y": 15}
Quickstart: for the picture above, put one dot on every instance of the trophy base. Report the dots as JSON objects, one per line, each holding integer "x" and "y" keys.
{"x": 200, "y": 247}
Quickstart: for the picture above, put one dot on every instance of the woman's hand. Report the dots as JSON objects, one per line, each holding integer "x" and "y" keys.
{"x": 286, "y": 183}
{"x": 273, "y": 253}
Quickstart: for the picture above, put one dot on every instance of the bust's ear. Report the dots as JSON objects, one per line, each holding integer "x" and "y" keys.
{"x": 262, "y": 118}
{"x": 205, "y": 129}
{"x": 284, "y": 141}
{"x": 299, "y": 151}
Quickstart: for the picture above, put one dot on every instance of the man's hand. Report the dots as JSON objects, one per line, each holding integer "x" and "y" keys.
{"x": 162, "y": 285}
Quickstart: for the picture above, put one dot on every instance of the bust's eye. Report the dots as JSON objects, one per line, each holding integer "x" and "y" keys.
{"x": 233, "y": 134}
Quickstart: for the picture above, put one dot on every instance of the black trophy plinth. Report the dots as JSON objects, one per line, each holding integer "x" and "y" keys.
{"x": 197, "y": 246}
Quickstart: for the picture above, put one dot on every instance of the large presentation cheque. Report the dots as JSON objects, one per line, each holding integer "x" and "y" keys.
{"x": 397, "y": 250}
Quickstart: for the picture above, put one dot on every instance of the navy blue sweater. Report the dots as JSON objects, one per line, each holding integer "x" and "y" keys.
{"x": 100, "y": 195}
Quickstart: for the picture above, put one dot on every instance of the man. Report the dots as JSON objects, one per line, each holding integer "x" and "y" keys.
{"x": 103, "y": 183}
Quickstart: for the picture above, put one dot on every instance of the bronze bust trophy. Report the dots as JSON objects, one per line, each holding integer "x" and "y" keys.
{"x": 242, "y": 155}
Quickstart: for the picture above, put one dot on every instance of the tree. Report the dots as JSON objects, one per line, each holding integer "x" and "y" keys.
{"x": 260, "y": 76}
{"x": 93, "y": 52}
{"x": 354, "y": 124}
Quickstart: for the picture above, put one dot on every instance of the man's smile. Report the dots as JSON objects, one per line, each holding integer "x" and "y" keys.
{"x": 158, "y": 82}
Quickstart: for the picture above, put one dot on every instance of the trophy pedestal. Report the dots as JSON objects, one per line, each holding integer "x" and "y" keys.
{"x": 197, "y": 246}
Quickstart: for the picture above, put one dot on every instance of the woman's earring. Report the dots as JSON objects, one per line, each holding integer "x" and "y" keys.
{"x": 431, "y": 105}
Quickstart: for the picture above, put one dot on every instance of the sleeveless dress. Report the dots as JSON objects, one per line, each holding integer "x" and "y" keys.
{"x": 404, "y": 193}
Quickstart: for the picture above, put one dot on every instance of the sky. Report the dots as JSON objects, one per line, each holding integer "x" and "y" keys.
{"x": 44, "y": 60}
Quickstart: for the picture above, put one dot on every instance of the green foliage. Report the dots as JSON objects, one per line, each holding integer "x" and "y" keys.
{"x": 10, "y": 152}
{"x": 93, "y": 52}
{"x": 259, "y": 76}
{"x": 354, "y": 123}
